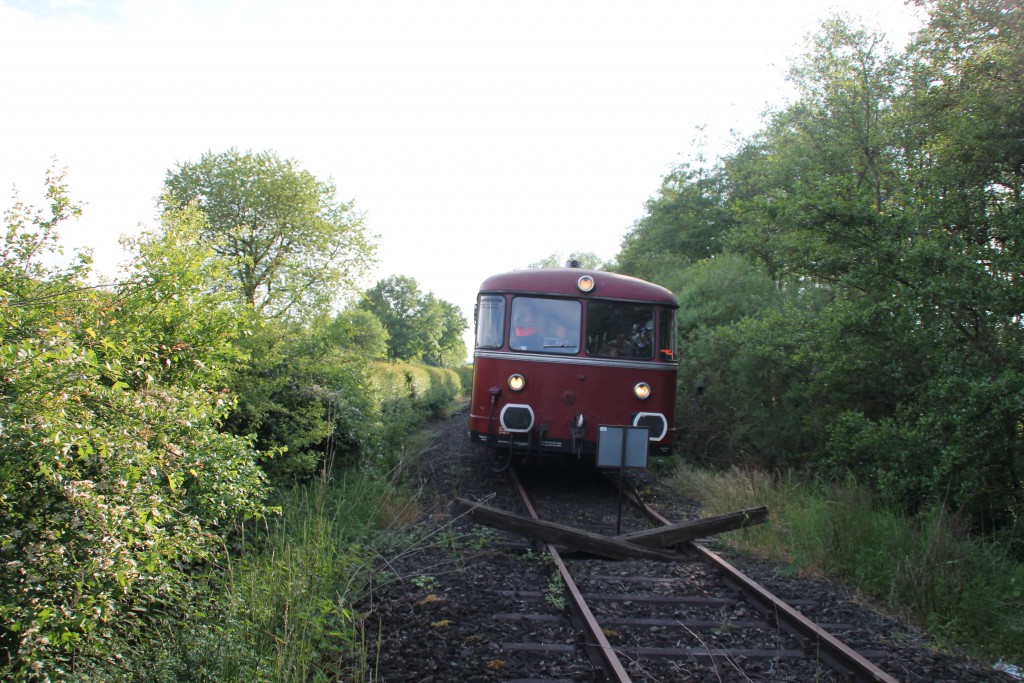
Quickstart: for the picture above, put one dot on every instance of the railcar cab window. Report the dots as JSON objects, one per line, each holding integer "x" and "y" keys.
{"x": 667, "y": 335}
{"x": 545, "y": 325}
{"x": 620, "y": 329}
{"x": 490, "y": 322}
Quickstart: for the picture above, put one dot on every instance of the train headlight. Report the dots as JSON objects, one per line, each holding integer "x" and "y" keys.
{"x": 642, "y": 391}
{"x": 585, "y": 283}
{"x": 516, "y": 382}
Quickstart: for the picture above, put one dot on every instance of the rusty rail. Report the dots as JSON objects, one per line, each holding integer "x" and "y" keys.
{"x": 597, "y": 643}
{"x": 850, "y": 664}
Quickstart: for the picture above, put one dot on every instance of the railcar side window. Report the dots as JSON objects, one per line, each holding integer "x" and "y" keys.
{"x": 490, "y": 322}
{"x": 667, "y": 336}
{"x": 620, "y": 329}
{"x": 545, "y": 325}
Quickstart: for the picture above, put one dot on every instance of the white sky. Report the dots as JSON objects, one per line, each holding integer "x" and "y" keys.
{"x": 477, "y": 135}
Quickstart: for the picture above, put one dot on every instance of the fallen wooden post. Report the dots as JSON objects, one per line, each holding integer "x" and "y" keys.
{"x": 550, "y": 532}
{"x": 674, "y": 534}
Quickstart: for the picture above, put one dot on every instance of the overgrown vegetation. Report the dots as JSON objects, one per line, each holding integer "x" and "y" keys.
{"x": 169, "y": 457}
{"x": 115, "y": 477}
{"x": 966, "y": 590}
{"x": 195, "y": 456}
{"x": 849, "y": 286}
{"x": 849, "y": 276}
{"x": 278, "y": 604}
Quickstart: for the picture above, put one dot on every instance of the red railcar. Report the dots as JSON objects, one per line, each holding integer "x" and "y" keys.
{"x": 561, "y": 351}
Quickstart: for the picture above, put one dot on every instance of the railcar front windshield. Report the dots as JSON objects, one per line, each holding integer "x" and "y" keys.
{"x": 545, "y": 325}
{"x": 620, "y": 329}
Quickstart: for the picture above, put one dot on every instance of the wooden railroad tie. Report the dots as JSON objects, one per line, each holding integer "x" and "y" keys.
{"x": 651, "y": 544}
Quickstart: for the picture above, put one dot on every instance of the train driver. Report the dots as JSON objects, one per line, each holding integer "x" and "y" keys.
{"x": 525, "y": 332}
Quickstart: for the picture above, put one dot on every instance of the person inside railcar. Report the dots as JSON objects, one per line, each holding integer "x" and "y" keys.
{"x": 642, "y": 343}
{"x": 526, "y": 334}
{"x": 562, "y": 338}
{"x": 619, "y": 346}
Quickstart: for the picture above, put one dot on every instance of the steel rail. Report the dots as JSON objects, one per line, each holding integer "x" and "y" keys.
{"x": 597, "y": 642}
{"x": 849, "y": 663}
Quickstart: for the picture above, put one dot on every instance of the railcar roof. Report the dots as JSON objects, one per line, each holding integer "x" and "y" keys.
{"x": 562, "y": 281}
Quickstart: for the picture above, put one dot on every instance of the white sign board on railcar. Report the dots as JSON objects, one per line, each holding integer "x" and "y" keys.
{"x": 622, "y": 446}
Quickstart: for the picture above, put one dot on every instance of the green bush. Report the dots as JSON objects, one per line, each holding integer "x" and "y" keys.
{"x": 424, "y": 388}
{"x": 465, "y": 373}
{"x": 115, "y": 478}
{"x": 304, "y": 398}
{"x": 404, "y": 395}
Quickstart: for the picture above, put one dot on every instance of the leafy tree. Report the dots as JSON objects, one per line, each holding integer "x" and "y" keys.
{"x": 114, "y": 475}
{"x": 810, "y": 192}
{"x": 584, "y": 259}
{"x": 883, "y": 204}
{"x": 451, "y": 348}
{"x": 420, "y": 326}
{"x": 398, "y": 304}
{"x": 292, "y": 247}
{"x": 895, "y": 187}
{"x": 963, "y": 115}
{"x": 291, "y": 250}
{"x": 683, "y": 224}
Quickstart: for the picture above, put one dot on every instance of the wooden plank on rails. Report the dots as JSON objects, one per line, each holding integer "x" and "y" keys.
{"x": 674, "y": 534}
{"x": 560, "y": 534}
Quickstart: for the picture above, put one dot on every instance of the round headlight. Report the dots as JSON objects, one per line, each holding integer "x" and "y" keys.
{"x": 642, "y": 391}
{"x": 516, "y": 382}
{"x": 585, "y": 283}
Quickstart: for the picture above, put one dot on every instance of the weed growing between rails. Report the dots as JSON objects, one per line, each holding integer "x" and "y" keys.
{"x": 966, "y": 592}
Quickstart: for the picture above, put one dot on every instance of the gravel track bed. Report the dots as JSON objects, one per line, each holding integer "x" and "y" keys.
{"x": 459, "y": 602}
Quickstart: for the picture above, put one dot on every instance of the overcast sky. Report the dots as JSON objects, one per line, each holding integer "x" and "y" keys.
{"x": 478, "y": 136}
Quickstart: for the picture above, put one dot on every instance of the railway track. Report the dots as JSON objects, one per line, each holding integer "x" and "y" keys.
{"x": 458, "y": 601}
{"x": 652, "y": 620}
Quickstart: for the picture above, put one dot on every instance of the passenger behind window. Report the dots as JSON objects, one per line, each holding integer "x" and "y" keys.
{"x": 642, "y": 343}
{"x": 560, "y": 340}
{"x": 620, "y": 346}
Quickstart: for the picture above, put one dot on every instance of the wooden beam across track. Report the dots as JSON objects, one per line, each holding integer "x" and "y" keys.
{"x": 560, "y": 534}
{"x": 674, "y": 534}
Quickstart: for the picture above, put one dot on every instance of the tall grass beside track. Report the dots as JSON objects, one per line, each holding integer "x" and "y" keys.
{"x": 282, "y": 609}
{"x": 293, "y": 591}
{"x": 965, "y": 591}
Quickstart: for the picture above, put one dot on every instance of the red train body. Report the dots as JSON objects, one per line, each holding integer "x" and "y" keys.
{"x": 562, "y": 351}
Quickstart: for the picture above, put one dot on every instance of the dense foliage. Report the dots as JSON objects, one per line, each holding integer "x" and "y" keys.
{"x": 141, "y": 423}
{"x": 849, "y": 276}
{"x": 114, "y": 475}
{"x": 293, "y": 254}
